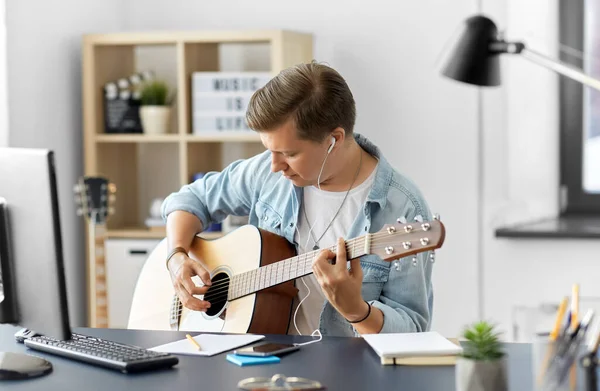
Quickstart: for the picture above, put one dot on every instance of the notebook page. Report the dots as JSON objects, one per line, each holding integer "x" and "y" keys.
{"x": 210, "y": 344}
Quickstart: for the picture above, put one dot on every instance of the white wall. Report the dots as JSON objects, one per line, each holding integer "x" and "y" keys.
{"x": 425, "y": 125}
{"x": 522, "y": 173}
{"x": 44, "y": 83}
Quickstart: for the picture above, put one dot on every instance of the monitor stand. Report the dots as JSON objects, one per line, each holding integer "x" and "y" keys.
{"x": 15, "y": 366}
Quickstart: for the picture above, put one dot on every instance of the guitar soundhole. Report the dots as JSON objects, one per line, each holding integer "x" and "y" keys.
{"x": 217, "y": 293}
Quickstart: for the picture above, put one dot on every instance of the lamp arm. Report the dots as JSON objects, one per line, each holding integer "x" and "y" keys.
{"x": 561, "y": 68}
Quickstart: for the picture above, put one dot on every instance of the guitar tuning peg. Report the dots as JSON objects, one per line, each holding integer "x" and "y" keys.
{"x": 77, "y": 188}
{"x": 436, "y": 216}
{"x": 419, "y": 218}
{"x": 112, "y": 188}
{"x": 79, "y": 212}
{"x": 401, "y": 220}
{"x": 112, "y": 198}
{"x": 414, "y": 261}
{"x": 432, "y": 257}
{"x": 111, "y": 211}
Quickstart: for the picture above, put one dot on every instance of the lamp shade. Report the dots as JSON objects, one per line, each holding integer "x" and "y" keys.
{"x": 471, "y": 60}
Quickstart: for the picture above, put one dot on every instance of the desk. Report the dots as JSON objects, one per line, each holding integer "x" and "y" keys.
{"x": 338, "y": 363}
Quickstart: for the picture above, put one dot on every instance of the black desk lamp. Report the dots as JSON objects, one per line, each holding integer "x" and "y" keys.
{"x": 476, "y": 56}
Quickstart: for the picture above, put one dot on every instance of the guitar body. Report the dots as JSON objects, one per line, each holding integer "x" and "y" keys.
{"x": 155, "y": 305}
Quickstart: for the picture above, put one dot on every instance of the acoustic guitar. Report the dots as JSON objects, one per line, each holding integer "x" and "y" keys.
{"x": 94, "y": 197}
{"x": 252, "y": 273}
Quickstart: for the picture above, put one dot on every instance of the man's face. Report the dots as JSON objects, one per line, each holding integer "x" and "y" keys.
{"x": 298, "y": 160}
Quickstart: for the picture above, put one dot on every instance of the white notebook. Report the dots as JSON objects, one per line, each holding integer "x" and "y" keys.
{"x": 424, "y": 344}
{"x": 210, "y": 344}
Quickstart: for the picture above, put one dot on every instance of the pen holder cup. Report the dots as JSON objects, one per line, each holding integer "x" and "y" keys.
{"x": 545, "y": 374}
{"x": 589, "y": 363}
{"x": 580, "y": 375}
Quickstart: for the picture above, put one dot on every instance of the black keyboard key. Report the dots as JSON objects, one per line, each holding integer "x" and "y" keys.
{"x": 114, "y": 355}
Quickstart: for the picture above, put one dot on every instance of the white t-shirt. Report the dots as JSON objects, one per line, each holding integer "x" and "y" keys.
{"x": 321, "y": 206}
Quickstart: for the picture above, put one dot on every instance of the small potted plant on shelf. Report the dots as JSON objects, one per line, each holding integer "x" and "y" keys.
{"x": 482, "y": 365}
{"x": 155, "y": 107}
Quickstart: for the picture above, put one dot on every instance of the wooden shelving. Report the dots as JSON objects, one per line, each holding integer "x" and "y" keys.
{"x": 220, "y": 137}
{"x": 147, "y": 167}
{"x": 136, "y": 233}
{"x": 240, "y": 137}
{"x": 144, "y": 166}
{"x": 145, "y": 233}
{"x": 137, "y": 138}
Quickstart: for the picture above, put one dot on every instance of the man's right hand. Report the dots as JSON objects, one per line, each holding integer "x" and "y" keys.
{"x": 182, "y": 268}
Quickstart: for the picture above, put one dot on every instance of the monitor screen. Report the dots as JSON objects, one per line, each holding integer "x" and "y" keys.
{"x": 32, "y": 243}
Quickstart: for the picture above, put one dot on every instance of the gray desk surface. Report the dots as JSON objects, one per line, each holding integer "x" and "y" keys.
{"x": 338, "y": 363}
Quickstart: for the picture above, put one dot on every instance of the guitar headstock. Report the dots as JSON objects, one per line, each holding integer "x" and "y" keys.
{"x": 94, "y": 197}
{"x": 402, "y": 239}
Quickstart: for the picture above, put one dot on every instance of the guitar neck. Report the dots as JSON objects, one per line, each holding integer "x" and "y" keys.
{"x": 97, "y": 276}
{"x": 289, "y": 269}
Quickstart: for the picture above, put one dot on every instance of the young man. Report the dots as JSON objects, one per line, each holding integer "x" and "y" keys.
{"x": 317, "y": 182}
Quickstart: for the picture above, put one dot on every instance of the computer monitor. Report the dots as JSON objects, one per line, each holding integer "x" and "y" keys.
{"x": 31, "y": 255}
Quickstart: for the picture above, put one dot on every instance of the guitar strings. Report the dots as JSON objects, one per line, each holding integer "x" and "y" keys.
{"x": 237, "y": 281}
{"x": 351, "y": 247}
{"x": 278, "y": 273}
{"x": 217, "y": 294}
{"x": 302, "y": 258}
{"x": 221, "y": 289}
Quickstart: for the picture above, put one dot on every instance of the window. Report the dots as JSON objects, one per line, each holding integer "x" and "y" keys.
{"x": 580, "y": 108}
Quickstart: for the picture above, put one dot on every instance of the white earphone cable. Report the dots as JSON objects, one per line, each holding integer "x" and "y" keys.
{"x": 321, "y": 171}
{"x": 316, "y": 331}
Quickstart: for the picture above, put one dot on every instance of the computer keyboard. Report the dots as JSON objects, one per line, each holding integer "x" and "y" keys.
{"x": 114, "y": 355}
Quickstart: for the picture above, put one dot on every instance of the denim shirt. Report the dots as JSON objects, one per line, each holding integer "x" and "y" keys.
{"x": 248, "y": 188}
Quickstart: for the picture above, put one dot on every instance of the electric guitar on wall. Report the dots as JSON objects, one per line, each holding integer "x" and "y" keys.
{"x": 252, "y": 273}
{"x": 94, "y": 197}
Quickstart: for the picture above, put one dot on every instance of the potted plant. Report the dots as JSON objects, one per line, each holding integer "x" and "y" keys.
{"x": 155, "y": 107}
{"x": 482, "y": 365}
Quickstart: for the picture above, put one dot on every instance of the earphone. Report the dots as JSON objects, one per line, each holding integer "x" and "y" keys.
{"x": 331, "y": 146}
{"x": 323, "y": 165}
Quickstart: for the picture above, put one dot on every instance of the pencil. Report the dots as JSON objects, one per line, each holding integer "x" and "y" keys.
{"x": 595, "y": 338}
{"x": 574, "y": 306}
{"x": 562, "y": 308}
{"x": 559, "y": 318}
{"x": 193, "y": 341}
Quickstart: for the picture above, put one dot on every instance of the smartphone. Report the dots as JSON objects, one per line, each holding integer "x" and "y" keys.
{"x": 266, "y": 349}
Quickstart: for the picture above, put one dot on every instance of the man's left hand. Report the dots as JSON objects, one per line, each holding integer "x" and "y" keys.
{"x": 341, "y": 286}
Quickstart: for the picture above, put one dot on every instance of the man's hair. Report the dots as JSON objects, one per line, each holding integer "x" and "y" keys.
{"x": 315, "y": 96}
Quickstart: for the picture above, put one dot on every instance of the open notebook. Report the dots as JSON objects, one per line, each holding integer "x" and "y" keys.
{"x": 210, "y": 344}
{"x": 427, "y": 348}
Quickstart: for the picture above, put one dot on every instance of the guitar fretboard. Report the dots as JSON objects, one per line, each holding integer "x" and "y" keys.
{"x": 279, "y": 272}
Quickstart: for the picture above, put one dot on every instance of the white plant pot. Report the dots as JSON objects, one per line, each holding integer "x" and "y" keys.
{"x": 473, "y": 375}
{"x": 155, "y": 119}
